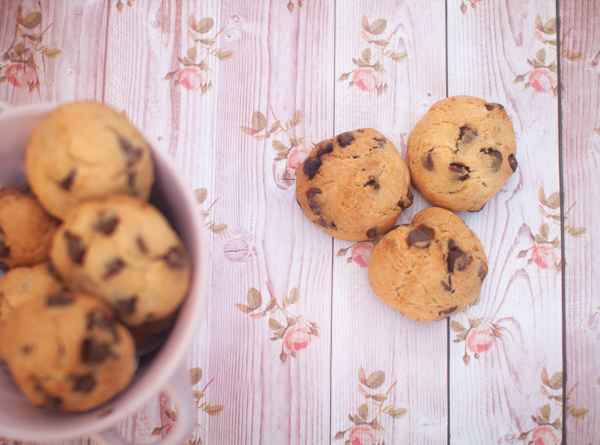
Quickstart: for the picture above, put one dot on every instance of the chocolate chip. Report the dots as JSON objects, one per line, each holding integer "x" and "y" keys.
{"x": 447, "y": 286}
{"x": 52, "y": 401}
{"x": 4, "y": 267}
{"x": 311, "y": 166}
{"x": 345, "y": 139}
{"x": 420, "y": 237}
{"x": 405, "y": 203}
{"x": 457, "y": 259}
{"x": 67, "y": 182}
{"x": 512, "y": 162}
{"x": 372, "y": 183}
{"x": 62, "y": 298}
{"x": 83, "y": 383}
{"x": 106, "y": 222}
{"x": 462, "y": 169}
{"x": 4, "y": 249}
{"x": 97, "y": 318}
{"x": 94, "y": 351}
{"x": 481, "y": 273}
{"x": 333, "y": 226}
{"x": 132, "y": 154}
{"x": 113, "y": 267}
{"x": 52, "y": 271}
{"x": 325, "y": 150}
{"x": 495, "y": 157}
{"x": 175, "y": 258}
{"x": 428, "y": 160}
{"x": 26, "y": 350}
{"x": 75, "y": 247}
{"x": 131, "y": 180}
{"x": 321, "y": 221}
{"x": 491, "y": 106}
{"x": 466, "y": 135}
{"x": 372, "y": 232}
{"x": 313, "y": 203}
{"x": 380, "y": 143}
{"x": 448, "y": 311}
{"x": 142, "y": 245}
{"x": 126, "y": 305}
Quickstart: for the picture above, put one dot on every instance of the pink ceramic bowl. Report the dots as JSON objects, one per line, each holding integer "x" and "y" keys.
{"x": 165, "y": 370}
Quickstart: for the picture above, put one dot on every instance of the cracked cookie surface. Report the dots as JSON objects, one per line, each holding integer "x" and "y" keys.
{"x": 354, "y": 186}
{"x": 67, "y": 352}
{"x": 125, "y": 251}
{"x": 85, "y": 150}
{"x": 25, "y": 229}
{"x": 462, "y": 152}
{"x": 429, "y": 269}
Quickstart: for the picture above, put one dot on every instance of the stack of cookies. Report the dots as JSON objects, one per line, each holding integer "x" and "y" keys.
{"x": 356, "y": 185}
{"x": 93, "y": 271}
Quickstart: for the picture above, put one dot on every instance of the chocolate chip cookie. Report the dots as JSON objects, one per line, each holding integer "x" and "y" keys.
{"x": 85, "y": 150}
{"x": 25, "y": 229}
{"x": 123, "y": 250}
{"x": 429, "y": 269}
{"x": 462, "y": 152}
{"x": 66, "y": 351}
{"x": 24, "y": 284}
{"x": 354, "y": 186}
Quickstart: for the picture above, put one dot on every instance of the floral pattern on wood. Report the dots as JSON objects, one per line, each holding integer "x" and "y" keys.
{"x": 370, "y": 74}
{"x": 207, "y": 407}
{"x": 295, "y": 331}
{"x": 26, "y": 52}
{"x": 543, "y": 77}
{"x": 290, "y": 147}
{"x": 291, "y": 5}
{"x": 479, "y": 336}
{"x": 196, "y": 73}
{"x": 549, "y": 419}
{"x": 5, "y": 441}
{"x": 360, "y": 253}
{"x": 368, "y": 420}
{"x": 213, "y": 226}
{"x": 120, "y": 4}
{"x": 545, "y": 252}
{"x": 463, "y": 6}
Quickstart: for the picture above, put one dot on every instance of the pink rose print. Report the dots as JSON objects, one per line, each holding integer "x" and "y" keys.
{"x": 545, "y": 435}
{"x": 296, "y": 338}
{"x": 366, "y": 79}
{"x": 361, "y": 254}
{"x": 19, "y": 75}
{"x": 362, "y": 435}
{"x": 545, "y": 256}
{"x": 296, "y": 157}
{"x": 480, "y": 339}
{"x": 191, "y": 77}
{"x": 542, "y": 80}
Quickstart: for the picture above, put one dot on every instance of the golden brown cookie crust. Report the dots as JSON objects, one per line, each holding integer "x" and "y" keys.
{"x": 429, "y": 269}
{"x": 25, "y": 229}
{"x": 66, "y": 351}
{"x": 125, "y": 251}
{"x": 85, "y": 150}
{"x": 462, "y": 152}
{"x": 354, "y": 186}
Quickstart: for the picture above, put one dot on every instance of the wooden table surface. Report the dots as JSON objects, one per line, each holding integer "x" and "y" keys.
{"x": 238, "y": 92}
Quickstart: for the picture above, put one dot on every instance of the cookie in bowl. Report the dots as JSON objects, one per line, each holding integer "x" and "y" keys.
{"x": 66, "y": 351}
{"x": 86, "y": 151}
{"x": 126, "y": 252}
{"x": 462, "y": 152}
{"x": 429, "y": 269}
{"x": 354, "y": 186}
{"x": 25, "y": 229}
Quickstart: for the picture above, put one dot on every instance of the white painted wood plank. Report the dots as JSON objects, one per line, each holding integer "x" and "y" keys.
{"x": 366, "y": 333}
{"x": 494, "y": 394}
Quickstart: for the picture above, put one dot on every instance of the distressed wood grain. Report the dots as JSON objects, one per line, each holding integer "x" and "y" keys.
{"x": 580, "y": 148}
{"x": 366, "y": 332}
{"x": 494, "y": 393}
{"x": 282, "y": 63}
